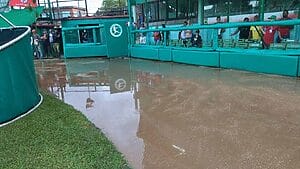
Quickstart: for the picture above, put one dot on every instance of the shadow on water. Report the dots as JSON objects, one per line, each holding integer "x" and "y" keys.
{"x": 167, "y": 115}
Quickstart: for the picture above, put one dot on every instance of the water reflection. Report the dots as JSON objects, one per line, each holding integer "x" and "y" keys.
{"x": 165, "y": 115}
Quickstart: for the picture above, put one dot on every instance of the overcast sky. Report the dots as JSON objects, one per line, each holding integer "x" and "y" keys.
{"x": 93, "y": 5}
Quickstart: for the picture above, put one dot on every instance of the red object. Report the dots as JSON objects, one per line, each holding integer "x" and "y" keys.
{"x": 23, "y": 3}
{"x": 269, "y": 34}
{"x": 284, "y": 31}
{"x": 156, "y": 36}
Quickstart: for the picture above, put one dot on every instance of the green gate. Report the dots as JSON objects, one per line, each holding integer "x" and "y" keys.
{"x": 117, "y": 38}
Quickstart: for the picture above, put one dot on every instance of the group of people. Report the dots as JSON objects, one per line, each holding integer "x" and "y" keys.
{"x": 186, "y": 36}
{"x": 159, "y": 37}
{"x": 190, "y": 37}
{"x": 265, "y": 34}
{"x": 47, "y": 44}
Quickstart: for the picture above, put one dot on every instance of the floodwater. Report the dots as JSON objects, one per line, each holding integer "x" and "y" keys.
{"x": 175, "y": 116}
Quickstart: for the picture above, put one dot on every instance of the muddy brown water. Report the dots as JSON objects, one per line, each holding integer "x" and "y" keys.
{"x": 166, "y": 115}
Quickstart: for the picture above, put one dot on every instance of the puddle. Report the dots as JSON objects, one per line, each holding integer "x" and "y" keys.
{"x": 166, "y": 115}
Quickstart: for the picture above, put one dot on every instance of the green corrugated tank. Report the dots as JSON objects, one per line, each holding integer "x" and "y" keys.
{"x": 18, "y": 87}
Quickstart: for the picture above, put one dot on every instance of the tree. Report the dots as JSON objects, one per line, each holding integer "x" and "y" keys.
{"x": 108, "y": 4}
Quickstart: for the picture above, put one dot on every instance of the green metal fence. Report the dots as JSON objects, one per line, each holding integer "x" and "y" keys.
{"x": 226, "y": 52}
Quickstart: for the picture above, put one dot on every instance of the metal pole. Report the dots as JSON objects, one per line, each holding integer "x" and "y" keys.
{"x": 201, "y": 12}
{"x": 50, "y": 10}
{"x": 86, "y": 8}
{"x": 6, "y": 20}
{"x": 146, "y": 19}
{"x": 261, "y": 10}
{"x": 189, "y": 10}
{"x": 77, "y": 7}
{"x": 133, "y": 11}
{"x": 130, "y": 23}
{"x": 58, "y": 9}
{"x": 228, "y": 10}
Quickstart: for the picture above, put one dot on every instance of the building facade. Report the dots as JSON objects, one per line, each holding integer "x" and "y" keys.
{"x": 202, "y": 10}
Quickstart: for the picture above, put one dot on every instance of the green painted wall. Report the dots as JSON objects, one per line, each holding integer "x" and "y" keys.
{"x": 261, "y": 61}
{"x": 182, "y": 55}
{"x": 18, "y": 85}
{"x": 109, "y": 46}
{"x": 145, "y": 52}
{"x": 299, "y": 66}
{"x": 139, "y": 1}
{"x": 196, "y": 57}
{"x": 83, "y": 50}
{"x": 165, "y": 54}
{"x": 86, "y": 21}
{"x": 274, "y": 64}
{"x": 116, "y": 38}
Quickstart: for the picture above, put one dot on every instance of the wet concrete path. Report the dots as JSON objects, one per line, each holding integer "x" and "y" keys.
{"x": 165, "y": 115}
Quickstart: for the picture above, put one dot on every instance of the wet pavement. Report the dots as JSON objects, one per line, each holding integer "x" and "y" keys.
{"x": 167, "y": 115}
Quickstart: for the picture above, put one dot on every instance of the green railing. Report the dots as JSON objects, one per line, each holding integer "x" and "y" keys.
{"x": 209, "y": 34}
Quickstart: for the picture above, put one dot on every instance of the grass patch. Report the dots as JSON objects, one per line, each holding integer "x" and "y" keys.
{"x": 56, "y": 136}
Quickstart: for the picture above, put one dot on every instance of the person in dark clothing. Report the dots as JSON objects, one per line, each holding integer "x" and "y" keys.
{"x": 46, "y": 44}
{"x": 221, "y": 31}
{"x": 84, "y": 36}
{"x": 167, "y": 35}
{"x": 196, "y": 39}
{"x": 243, "y": 30}
{"x": 56, "y": 43}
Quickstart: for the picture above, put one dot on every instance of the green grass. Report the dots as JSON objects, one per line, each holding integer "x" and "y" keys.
{"x": 56, "y": 136}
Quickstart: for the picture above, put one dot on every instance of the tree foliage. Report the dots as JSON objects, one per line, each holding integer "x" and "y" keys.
{"x": 108, "y": 4}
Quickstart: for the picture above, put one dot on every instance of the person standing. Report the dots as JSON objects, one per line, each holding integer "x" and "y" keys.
{"x": 221, "y": 31}
{"x": 181, "y": 34}
{"x": 84, "y": 36}
{"x": 45, "y": 44}
{"x": 269, "y": 32}
{"x": 143, "y": 35}
{"x": 141, "y": 20}
{"x": 167, "y": 35}
{"x": 156, "y": 36}
{"x": 188, "y": 33}
{"x": 256, "y": 32}
{"x": 36, "y": 39}
{"x": 51, "y": 41}
{"x": 196, "y": 39}
{"x": 284, "y": 31}
{"x": 56, "y": 44}
{"x": 243, "y": 31}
